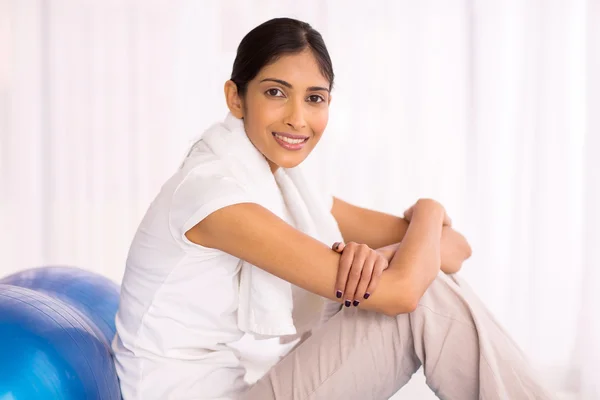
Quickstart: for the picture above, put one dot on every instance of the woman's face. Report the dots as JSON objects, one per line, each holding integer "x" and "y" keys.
{"x": 286, "y": 108}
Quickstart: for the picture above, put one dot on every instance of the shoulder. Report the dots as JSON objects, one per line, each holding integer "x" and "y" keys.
{"x": 204, "y": 176}
{"x": 204, "y": 184}
{"x": 201, "y": 161}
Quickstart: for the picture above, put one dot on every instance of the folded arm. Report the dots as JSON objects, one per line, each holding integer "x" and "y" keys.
{"x": 384, "y": 232}
{"x": 252, "y": 233}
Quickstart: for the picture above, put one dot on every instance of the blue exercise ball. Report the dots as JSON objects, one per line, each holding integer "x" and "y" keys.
{"x": 93, "y": 295}
{"x": 49, "y": 351}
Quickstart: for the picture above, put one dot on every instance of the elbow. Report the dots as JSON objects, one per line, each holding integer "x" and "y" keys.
{"x": 454, "y": 264}
{"x": 405, "y": 291}
{"x": 465, "y": 250}
{"x": 401, "y": 307}
{"x": 409, "y": 288}
{"x": 405, "y": 302}
{"x": 451, "y": 268}
{"x": 408, "y": 305}
{"x": 468, "y": 251}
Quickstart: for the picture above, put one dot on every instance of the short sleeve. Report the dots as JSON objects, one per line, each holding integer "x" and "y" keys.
{"x": 199, "y": 194}
{"x": 329, "y": 201}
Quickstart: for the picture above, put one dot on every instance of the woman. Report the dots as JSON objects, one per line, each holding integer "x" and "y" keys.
{"x": 213, "y": 255}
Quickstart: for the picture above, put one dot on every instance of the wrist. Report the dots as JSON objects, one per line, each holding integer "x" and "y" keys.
{"x": 389, "y": 251}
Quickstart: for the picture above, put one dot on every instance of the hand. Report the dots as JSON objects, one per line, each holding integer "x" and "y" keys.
{"x": 409, "y": 213}
{"x": 388, "y": 252}
{"x": 359, "y": 271}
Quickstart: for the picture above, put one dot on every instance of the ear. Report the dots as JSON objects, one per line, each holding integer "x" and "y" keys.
{"x": 233, "y": 99}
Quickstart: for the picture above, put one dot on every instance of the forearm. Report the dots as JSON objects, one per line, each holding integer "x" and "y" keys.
{"x": 374, "y": 228}
{"x": 454, "y": 250}
{"x": 418, "y": 258}
{"x": 383, "y": 231}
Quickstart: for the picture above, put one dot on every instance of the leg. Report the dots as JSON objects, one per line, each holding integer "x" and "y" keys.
{"x": 359, "y": 354}
{"x": 485, "y": 355}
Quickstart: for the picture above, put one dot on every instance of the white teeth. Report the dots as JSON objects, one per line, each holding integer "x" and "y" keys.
{"x": 289, "y": 140}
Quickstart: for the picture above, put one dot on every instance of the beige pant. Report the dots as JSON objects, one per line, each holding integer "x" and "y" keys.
{"x": 361, "y": 354}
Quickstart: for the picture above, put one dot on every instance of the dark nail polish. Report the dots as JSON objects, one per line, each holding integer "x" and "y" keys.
{"x": 356, "y": 303}
{"x": 338, "y": 294}
{"x": 347, "y": 303}
{"x": 366, "y": 296}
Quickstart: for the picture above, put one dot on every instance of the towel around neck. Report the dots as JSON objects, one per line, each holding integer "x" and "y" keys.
{"x": 269, "y": 306}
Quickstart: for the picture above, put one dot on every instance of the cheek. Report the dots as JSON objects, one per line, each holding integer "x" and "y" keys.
{"x": 262, "y": 112}
{"x": 319, "y": 122}
{"x": 255, "y": 115}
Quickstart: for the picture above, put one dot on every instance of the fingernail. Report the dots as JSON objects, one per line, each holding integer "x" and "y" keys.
{"x": 338, "y": 294}
{"x": 356, "y": 303}
{"x": 347, "y": 303}
{"x": 366, "y": 296}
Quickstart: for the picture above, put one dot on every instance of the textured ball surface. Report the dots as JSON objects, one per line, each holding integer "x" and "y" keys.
{"x": 50, "y": 344}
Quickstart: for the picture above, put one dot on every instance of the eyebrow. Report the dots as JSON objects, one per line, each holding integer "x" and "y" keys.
{"x": 289, "y": 85}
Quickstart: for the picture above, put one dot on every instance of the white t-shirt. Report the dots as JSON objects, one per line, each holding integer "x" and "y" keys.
{"x": 177, "y": 321}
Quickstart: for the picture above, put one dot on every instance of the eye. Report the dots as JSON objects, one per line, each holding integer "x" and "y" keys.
{"x": 315, "y": 98}
{"x": 273, "y": 92}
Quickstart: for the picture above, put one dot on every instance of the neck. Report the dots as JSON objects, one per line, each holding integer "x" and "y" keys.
{"x": 274, "y": 167}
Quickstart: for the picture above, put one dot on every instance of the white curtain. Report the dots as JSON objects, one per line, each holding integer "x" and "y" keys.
{"x": 89, "y": 137}
{"x": 491, "y": 107}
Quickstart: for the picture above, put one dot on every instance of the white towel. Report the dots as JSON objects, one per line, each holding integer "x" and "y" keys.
{"x": 268, "y": 305}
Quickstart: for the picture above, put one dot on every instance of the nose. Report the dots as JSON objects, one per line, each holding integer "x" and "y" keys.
{"x": 295, "y": 115}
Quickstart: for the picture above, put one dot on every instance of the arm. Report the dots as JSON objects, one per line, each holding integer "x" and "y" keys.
{"x": 373, "y": 228}
{"x": 384, "y": 232}
{"x": 243, "y": 229}
{"x": 422, "y": 242}
{"x": 454, "y": 250}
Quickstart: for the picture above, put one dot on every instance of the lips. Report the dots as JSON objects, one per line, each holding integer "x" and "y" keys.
{"x": 290, "y": 141}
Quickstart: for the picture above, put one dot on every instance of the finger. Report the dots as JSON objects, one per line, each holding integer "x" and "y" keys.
{"x": 360, "y": 255}
{"x": 338, "y": 247}
{"x": 378, "y": 268}
{"x": 365, "y": 278}
{"x": 343, "y": 270}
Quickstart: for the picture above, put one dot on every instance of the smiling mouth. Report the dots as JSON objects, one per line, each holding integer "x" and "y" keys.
{"x": 291, "y": 139}
{"x": 290, "y": 142}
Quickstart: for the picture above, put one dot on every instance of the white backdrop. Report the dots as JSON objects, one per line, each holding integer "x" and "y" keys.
{"x": 491, "y": 107}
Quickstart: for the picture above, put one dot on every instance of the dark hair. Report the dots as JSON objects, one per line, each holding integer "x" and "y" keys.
{"x": 270, "y": 40}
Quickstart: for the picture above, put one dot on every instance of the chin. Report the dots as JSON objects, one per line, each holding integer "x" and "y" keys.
{"x": 289, "y": 162}
{"x": 288, "y": 165}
